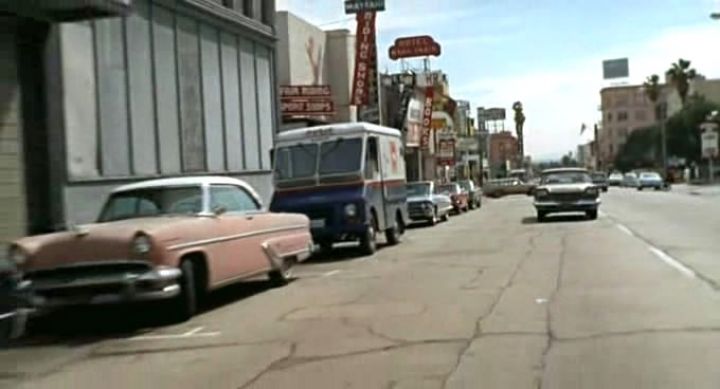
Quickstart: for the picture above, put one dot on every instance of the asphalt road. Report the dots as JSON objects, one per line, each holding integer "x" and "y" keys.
{"x": 491, "y": 299}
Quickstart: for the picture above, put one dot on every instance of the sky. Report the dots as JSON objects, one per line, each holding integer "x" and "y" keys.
{"x": 547, "y": 54}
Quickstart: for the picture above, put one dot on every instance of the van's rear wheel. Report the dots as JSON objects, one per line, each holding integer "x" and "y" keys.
{"x": 393, "y": 234}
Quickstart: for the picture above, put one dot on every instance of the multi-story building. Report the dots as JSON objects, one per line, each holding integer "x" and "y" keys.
{"x": 709, "y": 89}
{"x": 586, "y": 155}
{"x": 309, "y": 55}
{"x": 503, "y": 152}
{"x": 624, "y": 110}
{"x": 122, "y": 91}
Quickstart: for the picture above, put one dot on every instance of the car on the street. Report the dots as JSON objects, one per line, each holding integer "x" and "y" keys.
{"x": 630, "y": 180}
{"x": 460, "y": 199}
{"x": 500, "y": 187}
{"x": 600, "y": 179}
{"x": 171, "y": 239}
{"x": 615, "y": 179}
{"x": 474, "y": 192}
{"x": 650, "y": 180}
{"x": 426, "y": 205}
{"x": 566, "y": 190}
{"x": 15, "y": 302}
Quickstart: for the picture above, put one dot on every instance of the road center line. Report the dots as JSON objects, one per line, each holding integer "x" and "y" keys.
{"x": 193, "y": 331}
{"x": 625, "y": 230}
{"x": 331, "y": 273}
{"x": 672, "y": 262}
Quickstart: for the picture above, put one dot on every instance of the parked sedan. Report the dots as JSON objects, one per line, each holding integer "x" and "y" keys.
{"x": 630, "y": 180}
{"x": 650, "y": 180}
{"x": 460, "y": 199}
{"x": 474, "y": 192}
{"x": 566, "y": 190}
{"x": 15, "y": 302}
{"x": 170, "y": 239}
{"x": 426, "y": 205}
{"x": 615, "y": 179}
{"x": 600, "y": 180}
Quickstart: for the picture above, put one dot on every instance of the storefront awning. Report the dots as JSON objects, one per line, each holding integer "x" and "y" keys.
{"x": 65, "y": 10}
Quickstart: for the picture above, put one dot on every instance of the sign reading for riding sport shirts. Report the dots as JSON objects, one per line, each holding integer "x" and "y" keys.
{"x": 365, "y": 53}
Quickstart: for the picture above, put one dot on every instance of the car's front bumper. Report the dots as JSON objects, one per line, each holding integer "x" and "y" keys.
{"x": 581, "y": 205}
{"x": 418, "y": 212}
{"x": 651, "y": 184}
{"x": 156, "y": 284}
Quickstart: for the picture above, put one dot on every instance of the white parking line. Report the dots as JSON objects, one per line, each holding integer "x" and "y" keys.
{"x": 331, "y": 273}
{"x": 625, "y": 230}
{"x": 672, "y": 262}
{"x": 194, "y": 333}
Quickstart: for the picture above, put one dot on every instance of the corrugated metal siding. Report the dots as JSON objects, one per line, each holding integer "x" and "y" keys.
{"x": 12, "y": 196}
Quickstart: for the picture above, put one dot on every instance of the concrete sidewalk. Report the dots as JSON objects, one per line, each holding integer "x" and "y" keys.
{"x": 698, "y": 190}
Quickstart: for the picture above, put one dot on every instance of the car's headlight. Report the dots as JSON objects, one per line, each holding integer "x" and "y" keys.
{"x": 541, "y": 193}
{"x": 17, "y": 255}
{"x": 350, "y": 210}
{"x": 141, "y": 244}
{"x": 592, "y": 191}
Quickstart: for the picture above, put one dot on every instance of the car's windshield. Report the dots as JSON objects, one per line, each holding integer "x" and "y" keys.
{"x": 418, "y": 189}
{"x": 451, "y": 189}
{"x": 650, "y": 176}
{"x": 338, "y": 156}
{"x": 299, "y": 161}
{"x": 569, "y": 177}
{"x": 465, "y": 185}
{"x": 152, "y": 202}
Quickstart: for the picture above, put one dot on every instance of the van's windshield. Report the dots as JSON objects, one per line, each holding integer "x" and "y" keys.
{"x": 332, "y": 157}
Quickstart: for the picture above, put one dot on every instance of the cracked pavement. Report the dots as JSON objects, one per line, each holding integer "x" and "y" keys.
{"x": 491, "y": 299}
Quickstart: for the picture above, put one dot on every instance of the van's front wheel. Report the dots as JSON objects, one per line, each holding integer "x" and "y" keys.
{"x": 368, "y": 242}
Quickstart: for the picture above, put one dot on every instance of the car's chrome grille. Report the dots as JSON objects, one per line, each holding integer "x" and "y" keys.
{"x": 89, "y": 270}
{"x": 564, "y": 197}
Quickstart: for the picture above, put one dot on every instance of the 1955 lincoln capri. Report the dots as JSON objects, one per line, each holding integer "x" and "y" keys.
{"x": 169, "y": 239}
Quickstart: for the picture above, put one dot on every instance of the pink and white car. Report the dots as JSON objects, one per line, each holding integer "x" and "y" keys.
{"x": 172, "y": 239}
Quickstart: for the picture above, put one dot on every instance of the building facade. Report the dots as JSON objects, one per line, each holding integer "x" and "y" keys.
{"x": 624, "y": 110}
{"x": 309, "y": 55}
{"x": 167, "y": 88}
{"x": 503, "y": 152}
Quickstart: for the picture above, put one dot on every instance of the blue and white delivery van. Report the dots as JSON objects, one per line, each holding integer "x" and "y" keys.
{"x": 349, "y": 179}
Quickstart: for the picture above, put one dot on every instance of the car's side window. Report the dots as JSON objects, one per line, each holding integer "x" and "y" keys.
{"x": 231, "y": 199}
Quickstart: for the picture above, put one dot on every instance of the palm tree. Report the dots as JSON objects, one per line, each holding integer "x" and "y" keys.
{"x": 653, "y": 89}
{"x": 519, "y": 123}
{"x": 680, "y": 74}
